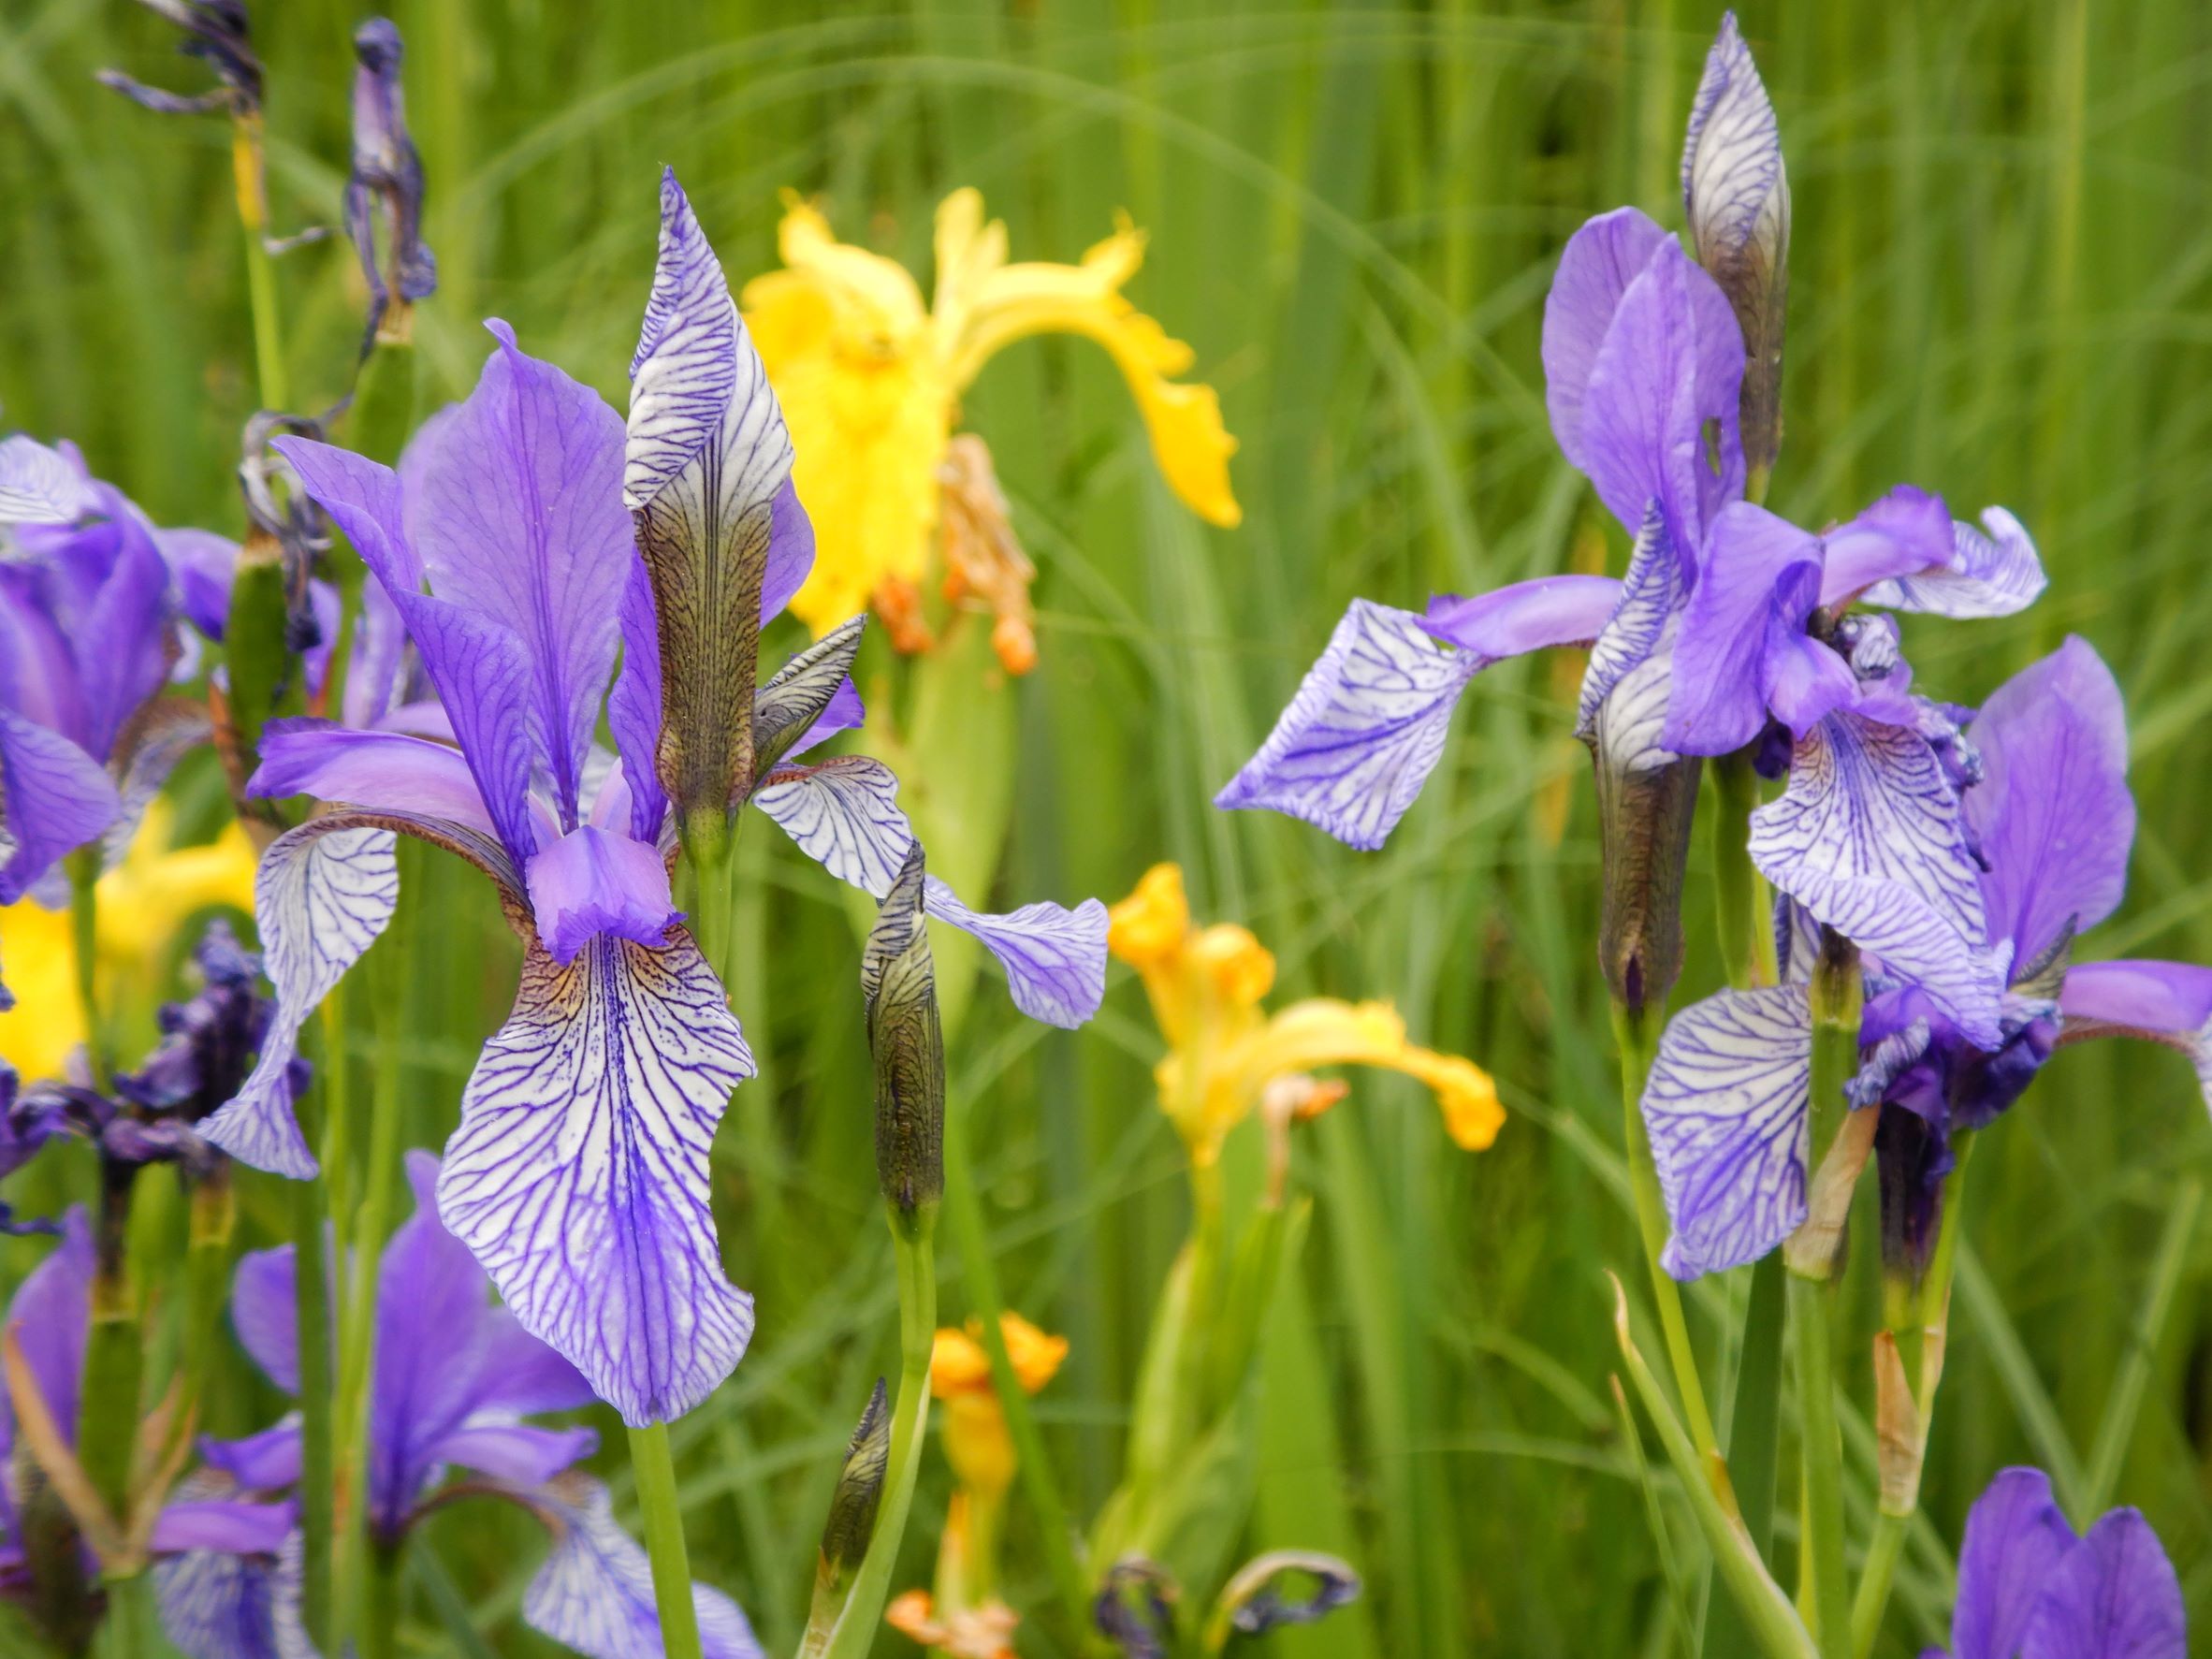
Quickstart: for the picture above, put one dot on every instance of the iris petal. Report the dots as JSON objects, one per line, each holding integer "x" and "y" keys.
{"x": 578, "y": 1174}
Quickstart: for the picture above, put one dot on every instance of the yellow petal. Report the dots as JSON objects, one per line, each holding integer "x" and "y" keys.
{"x": 1148, "y": 927}
{"x": 847, "y": 348}
{"x": 1014, "y": 301}
{"x": 1035, "y": 1354}
{"x": 1238, "y": 968}
{"x": 1326, "y": 1032}
{"x": 40, "y": 963}
{"x": 957, "y": 1364}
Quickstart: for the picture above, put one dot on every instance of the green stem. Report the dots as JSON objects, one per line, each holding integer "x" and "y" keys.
{"x": 664, "y": 1540}
{"x": 1754, "y": 1434}
{"x": 353, "y": 1571}
{"x": 253, "y": 214}
{"x": 84, "y": 937}
{"x": 709, "y": 872}
{"x": 855, "y": 1635}
{"x": 131, "y": 1628}
{"x": 1637, "y": 1036}
{"x": 114, "y": 1350}
{"x": 380, "y": 1602}
{"x": 310, "y": 1285}
{"x": 1823, "y": 1584}
{"x": 967, "y": 1212}
{"x": 207, "y": 1285}
{"x": 1882, "y": 1549}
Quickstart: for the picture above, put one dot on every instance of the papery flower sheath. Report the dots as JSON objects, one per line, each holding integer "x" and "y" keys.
{"x": 1207, "y": 985}
{"x": 2051, "y": 820}
{"x": 1726, "y": 618}
{"x": 386, "y": 174}
{"x": 456, "y": 1378}
{"x": 578, "y": 1174}
{"x": 47, "y": 1325}
{"x": 2030, "y": 1588}
{"x": 870, "y": 378}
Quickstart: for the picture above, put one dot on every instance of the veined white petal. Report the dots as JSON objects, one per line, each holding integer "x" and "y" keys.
{"x": 578, "y": 1175}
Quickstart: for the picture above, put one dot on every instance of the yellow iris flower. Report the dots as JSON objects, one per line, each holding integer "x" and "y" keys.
{"x": 1225, "y": 1052}
{"x": 964, "y": 1617}
{"x": 870, "y": 380}
{"x": 143, "y": 902}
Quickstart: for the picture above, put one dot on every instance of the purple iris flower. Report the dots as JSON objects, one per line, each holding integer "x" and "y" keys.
{"x": 579, "y": 1171}
{"x": 86, "y": 642}
{"x": 2051, "y": 820}
{"x": 50, "y": 1317}
{"x": 2030, "y": 1588}
{"x": 455, "y": 1376}
{"x": 1727, "y": 617}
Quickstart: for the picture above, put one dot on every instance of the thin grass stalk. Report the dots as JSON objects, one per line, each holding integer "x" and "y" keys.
{"x": 248, "y": 176}
{"x": 1637, "y": 1036}
{"x": 649, "y": 1461}
{"x": 964, "y": 1207}
{"x": 310, "y": 1291}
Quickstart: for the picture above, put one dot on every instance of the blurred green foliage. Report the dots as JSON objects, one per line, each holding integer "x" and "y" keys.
{"x": 2001, "y": 263}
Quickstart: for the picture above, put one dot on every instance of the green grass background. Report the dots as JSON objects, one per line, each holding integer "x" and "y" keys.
{"x": 1998, "y": 289}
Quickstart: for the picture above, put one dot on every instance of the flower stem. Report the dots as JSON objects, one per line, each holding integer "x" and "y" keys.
{"x": 1823, "y": 1599}
{"x": 380, "y": 1602}
{"x": 912, "y": 1245}
{"x": 664, "y": 1540}
{"x": 1634, "y": 1032}
{"x": 312, "y": 1312}
{"x": 114, "y": 1348}
{"x": 247, "y": 175}
{"x": 84, "y": 937}
{"x": 353, "y": 1571}
{"x": 1043, "y": 1492}
{"x": 206, "y": 1283}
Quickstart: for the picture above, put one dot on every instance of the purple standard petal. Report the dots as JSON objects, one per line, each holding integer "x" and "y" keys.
{"x": 2114, "y": 1597}
{"x": 1737, "y": 626}
{"x": 790, "y": 552}
{"x": 1994, "y": 574}
{"x": 203, "y": 566}
{"x": 2162, "y": 996}
{"x": 42, "y": 486}
{"x": 1649, "y": 594}
{"x": 1525, "y": 616}
{"x": 320, "y": 898}
{"x": 125, "y": 641}
{"x": 1726, "y": 1108}
{"x": 265, "y": 1315}
{"x": 37, "y": 669}
{"x": 513, "y": 1452}
{"x": 378, "y": 771}
{"x": 267, "y": 1461}
{"x": 519, "y": 523}
{"x": 2052, "y": 816}
{"x": 483, "y": 675}
{"x": 233, "y": 1525}
{"x": 1671, "y": 361}
{"x": 595, "y": 1592}
{"x": 578, "y": 1174}
{"x": 1595, "y": 267}
{"x": 53, "y": 798}
{"x": 50, "y": 1315}
{"x": 1364, "y": 731}
{"x": 216, "y": 1605}
{"x": 2016, "y": 1538}
{"x": 844, "y": 814}
{"x": 1867, "y": 837}
{"x": 1908, "y": 531}
{"x": 1054, "y": 958}
{"x": 706, "y": 462}
{"x": 634, "y": 706}
{"x": 593, "y": 881}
